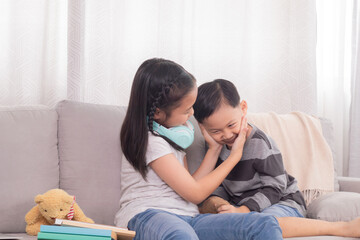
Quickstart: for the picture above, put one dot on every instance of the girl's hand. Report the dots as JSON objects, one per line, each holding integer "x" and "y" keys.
{"x": 209, "y": 140}
{"x": 237, "y": 147}
{"x": 232, "y": 209}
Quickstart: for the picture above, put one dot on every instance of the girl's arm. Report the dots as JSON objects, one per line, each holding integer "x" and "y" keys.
{"x": 169, "y": 169}
{"x": 209, "y": 162}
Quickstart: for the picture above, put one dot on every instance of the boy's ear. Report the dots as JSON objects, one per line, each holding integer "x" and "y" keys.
{"x": 243, "y": 106}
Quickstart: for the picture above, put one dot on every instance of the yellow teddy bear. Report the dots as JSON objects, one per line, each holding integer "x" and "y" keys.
{"x": 55, "y": 203}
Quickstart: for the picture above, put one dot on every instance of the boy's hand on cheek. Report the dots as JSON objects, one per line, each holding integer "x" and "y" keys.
{"x": 232, "y": 209}
{"x": 209, "y": 140}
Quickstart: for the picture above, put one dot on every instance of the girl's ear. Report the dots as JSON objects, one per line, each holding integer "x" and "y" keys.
{"x": 244, "y": 107}
{"x": 159, "y": 115}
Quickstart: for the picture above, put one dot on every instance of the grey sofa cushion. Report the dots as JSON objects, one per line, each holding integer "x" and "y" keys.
{"x": 196, "y": 152}
{"x": 90, "y": 156}
{"x": 349, "y": 184}
{"x": 29, "y": 161}
{"x": 336, "y": 206}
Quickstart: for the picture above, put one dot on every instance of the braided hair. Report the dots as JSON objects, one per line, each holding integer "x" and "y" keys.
{"x": 158, "y": 84}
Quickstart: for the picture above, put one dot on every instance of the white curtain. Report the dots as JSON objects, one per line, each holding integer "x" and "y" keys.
{"x": 283, "y": 55}
{"x": 334, "y": 22}
{"x": 354, "y": 155}
{"x": 89, "y": 50}
{"x": 33, "y": 52}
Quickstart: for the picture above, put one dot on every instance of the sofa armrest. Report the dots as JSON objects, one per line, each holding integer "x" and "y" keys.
{"x": 349, "y": 184}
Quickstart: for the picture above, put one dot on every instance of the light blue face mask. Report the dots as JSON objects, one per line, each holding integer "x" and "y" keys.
{"x": 181, "y": 135}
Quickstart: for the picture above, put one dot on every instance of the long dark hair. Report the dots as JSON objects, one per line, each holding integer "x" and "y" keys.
{"x": 158, "y": 83}
{"x": 210, "y": 96}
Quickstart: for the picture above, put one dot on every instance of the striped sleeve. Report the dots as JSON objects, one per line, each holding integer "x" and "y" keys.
{"x": 273, "y": 178}
{"x": 221, "y": 192}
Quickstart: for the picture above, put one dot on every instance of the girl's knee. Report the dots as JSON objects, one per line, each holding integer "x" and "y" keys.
{"x": 154, "y": 224}
{"x": 168, "y": 232}
{"x": 181, "y": 235}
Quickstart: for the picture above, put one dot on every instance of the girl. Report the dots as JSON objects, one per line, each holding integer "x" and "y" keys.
{"x": 159, "y": 195}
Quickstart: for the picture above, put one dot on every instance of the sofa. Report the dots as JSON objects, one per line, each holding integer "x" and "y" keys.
{"x": 76, "y": 147}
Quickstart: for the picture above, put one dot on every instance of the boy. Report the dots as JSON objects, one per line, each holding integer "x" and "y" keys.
{"x": 259, "y": 181}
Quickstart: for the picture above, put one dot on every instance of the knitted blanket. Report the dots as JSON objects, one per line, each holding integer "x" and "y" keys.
{"x": 306, "y": 154}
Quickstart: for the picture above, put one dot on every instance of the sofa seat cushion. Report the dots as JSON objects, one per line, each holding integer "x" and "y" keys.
{"x": 29, "y": 161}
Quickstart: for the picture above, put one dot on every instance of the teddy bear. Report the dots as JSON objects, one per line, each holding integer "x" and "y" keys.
{"x": 55, "y": 203}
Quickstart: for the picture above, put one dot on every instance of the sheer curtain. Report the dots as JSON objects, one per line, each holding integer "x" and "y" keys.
{"x": 334, "y": 71}
{"x": 33, "y": 48}
{"x": 354, "y": 155}
{"x": 89, "y": 50}
{"x": 283, "y": 55}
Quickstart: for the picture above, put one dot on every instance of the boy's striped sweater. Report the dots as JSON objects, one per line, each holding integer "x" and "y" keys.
{"x": 259, "y": 180}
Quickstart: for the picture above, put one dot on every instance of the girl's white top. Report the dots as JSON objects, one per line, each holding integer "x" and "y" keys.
{"x": 138, "y": 195}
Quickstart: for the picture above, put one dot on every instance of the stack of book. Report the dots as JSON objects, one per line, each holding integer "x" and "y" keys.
{"x": 74, "y": 230}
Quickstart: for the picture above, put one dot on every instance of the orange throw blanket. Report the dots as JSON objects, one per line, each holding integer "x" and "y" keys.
{"x": 306, "y": 154}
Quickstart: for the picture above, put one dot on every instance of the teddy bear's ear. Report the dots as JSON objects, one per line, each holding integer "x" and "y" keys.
{"x": 70, "y": 199}
{"x": 39, "y": 199}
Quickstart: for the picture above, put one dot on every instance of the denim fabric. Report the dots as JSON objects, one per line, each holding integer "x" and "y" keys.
{"x": 154, "y": 224}
{"x": 280, "y": 210}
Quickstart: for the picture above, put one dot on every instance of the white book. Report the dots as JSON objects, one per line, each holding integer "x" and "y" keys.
{"x": 122, "y": 233}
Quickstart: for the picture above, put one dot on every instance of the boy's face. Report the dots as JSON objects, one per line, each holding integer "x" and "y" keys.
{"x": 224, "y": 124}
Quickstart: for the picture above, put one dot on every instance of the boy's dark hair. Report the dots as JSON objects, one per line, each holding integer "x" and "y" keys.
{"x": 158, "y": 83}
{"x": 211, "y": 95}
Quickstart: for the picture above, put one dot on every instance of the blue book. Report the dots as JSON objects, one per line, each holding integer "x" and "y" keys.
{"x": 65, "y": 236}
{"x": 77, "y": 231}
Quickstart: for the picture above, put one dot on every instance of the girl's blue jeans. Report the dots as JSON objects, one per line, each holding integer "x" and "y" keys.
{"x": 155, "y": 224}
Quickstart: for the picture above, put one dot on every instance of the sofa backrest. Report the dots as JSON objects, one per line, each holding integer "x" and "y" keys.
{"x": 90, "y": 156}
{"x": 29, "y": 162}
